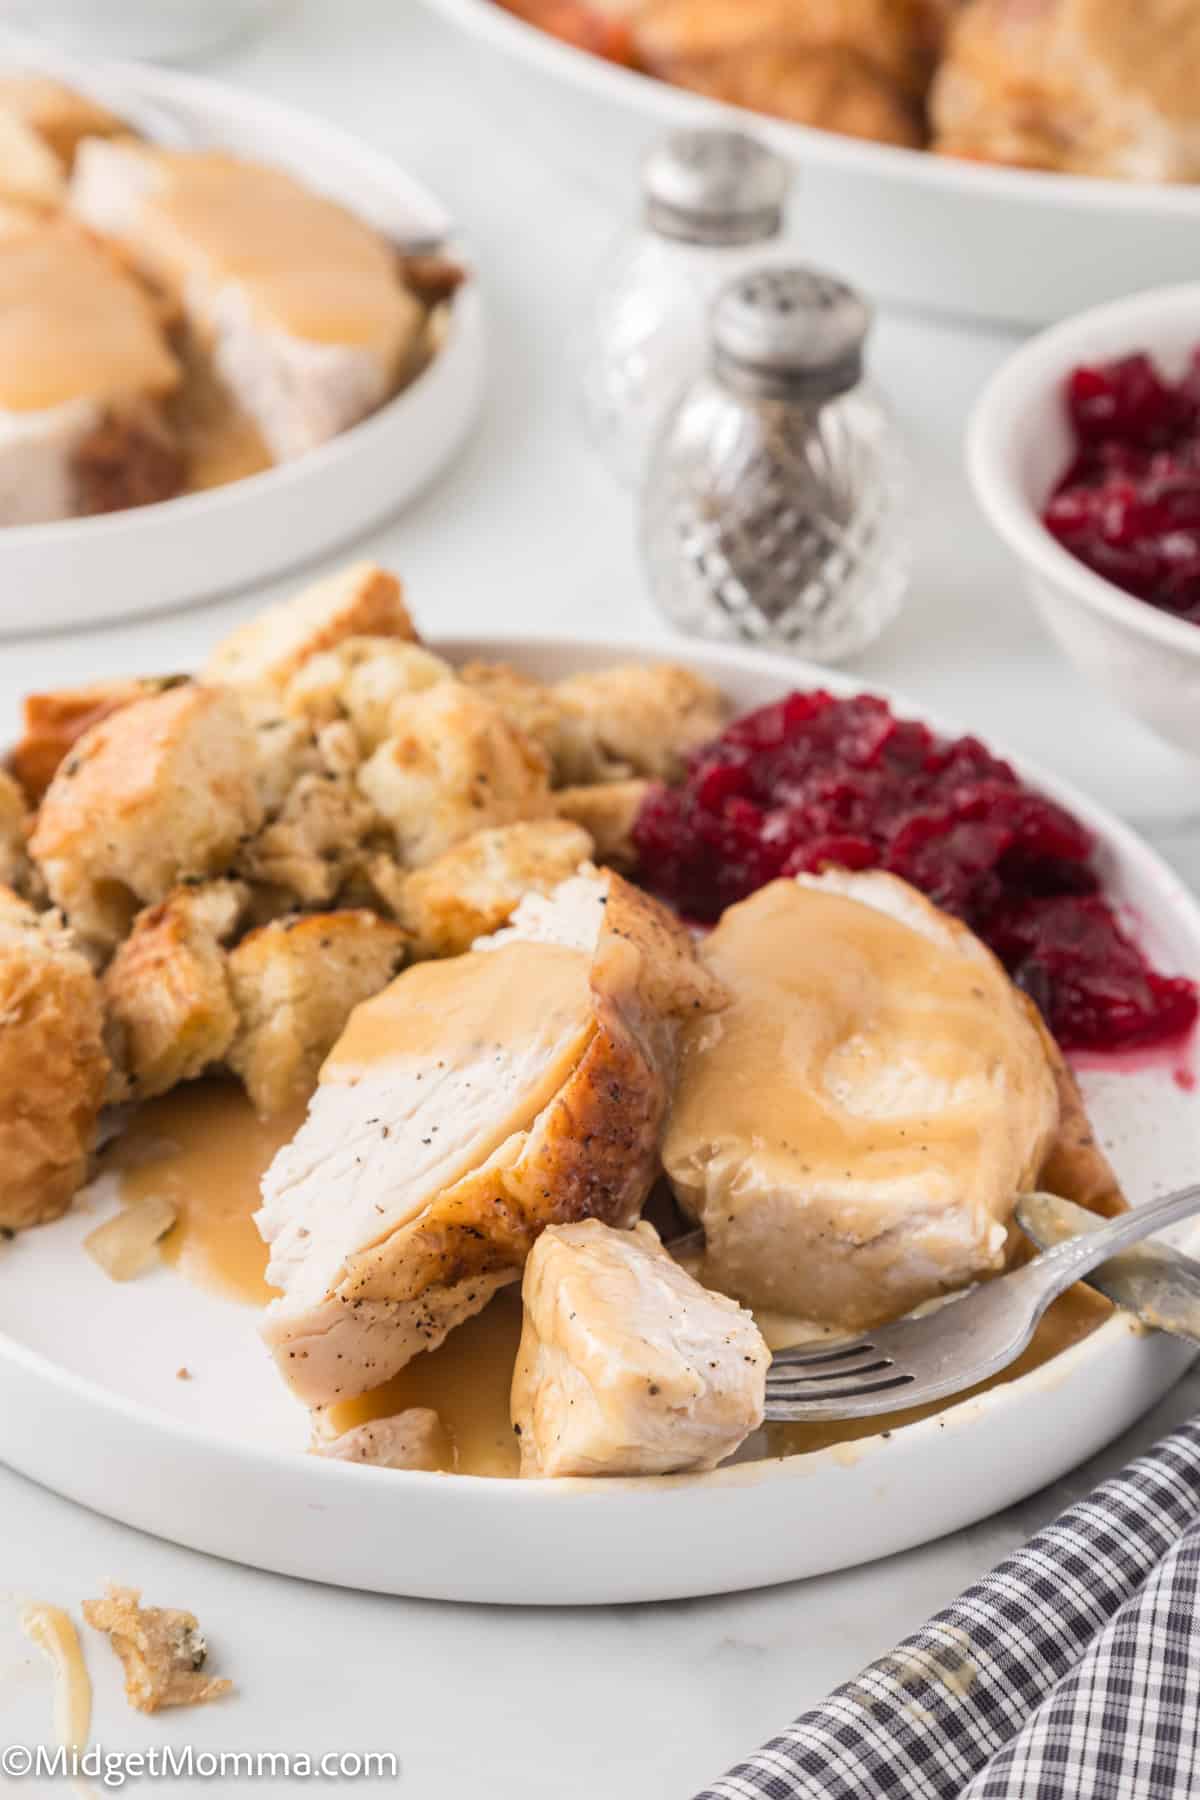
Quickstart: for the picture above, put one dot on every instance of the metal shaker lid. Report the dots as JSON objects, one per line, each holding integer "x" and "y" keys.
{"x": 714, "y": 187}
{"x": 795, "y": 333}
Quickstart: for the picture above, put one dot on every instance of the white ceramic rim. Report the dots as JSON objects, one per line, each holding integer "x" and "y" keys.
{"x": 167, "y": 86}
{"x": 488, "y": 20}
{"x": 993, "y": 456}
{"x": 332, "y": 1475}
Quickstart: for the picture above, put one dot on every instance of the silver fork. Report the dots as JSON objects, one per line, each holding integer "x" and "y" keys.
{"x": 920, "y": 1359}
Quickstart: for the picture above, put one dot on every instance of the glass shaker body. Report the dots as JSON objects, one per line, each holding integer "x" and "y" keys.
{"x": 773, "y": 507}
{"x": 643, "y": 339}
{"x": 712, "y": 199}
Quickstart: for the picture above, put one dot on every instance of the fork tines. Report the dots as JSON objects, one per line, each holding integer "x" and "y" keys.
{"x": 801, "y": 1379}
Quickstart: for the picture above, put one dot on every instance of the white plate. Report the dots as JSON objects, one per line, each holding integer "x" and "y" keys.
{"x": 920, "y": 230}
{"x": 150, "y": 558}
{"x": 89, "y": 1403}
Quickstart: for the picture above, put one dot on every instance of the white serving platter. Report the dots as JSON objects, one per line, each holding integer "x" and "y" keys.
{"x": 945, "y": 236}
{"x": 148, "y": 559}
{"x": 90, "y": 1406}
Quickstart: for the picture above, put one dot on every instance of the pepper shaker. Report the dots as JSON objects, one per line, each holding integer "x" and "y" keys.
{"x": 772, "y": 508}
{"x": 711, "y": 200}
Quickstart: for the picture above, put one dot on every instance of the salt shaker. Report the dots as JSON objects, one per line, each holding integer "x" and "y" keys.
{"x": 711, "y": 201}
{"x": 772, "y": 507}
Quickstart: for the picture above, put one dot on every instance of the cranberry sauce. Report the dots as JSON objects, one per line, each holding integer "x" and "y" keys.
{"x": 813, "y": 780}
{"x": 1129, "y": 504}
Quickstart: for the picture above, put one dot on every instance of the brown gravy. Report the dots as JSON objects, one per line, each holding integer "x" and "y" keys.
{"x": 73, "y": 325}
{"x": 204, "y": 1148}
{"x": 466, "y": 1382}
{"x": 220, "y": 444}
{"x": 489, "y": 1002}
{"x": 305, "y": 264}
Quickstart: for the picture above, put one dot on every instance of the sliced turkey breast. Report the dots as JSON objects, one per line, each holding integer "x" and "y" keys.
{"x": 627, "y": 1366}
{"x": 853, "y": 1130}
{"x": 309, "y": 323}
{"x": 84, "y": 367}
{"x": 473, "y": 1102}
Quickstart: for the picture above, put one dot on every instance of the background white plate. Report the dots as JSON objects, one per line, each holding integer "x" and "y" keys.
{"x": 89, "y": 1402}
{"x": 150, "y": 558}
{"x": 920, "y": 230}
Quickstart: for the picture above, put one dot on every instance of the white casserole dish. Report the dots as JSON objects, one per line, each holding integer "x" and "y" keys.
{"x": 910, "y": 228}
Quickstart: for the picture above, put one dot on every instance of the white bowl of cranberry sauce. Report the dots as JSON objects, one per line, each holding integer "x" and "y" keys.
{"x": 1084, "y": 452}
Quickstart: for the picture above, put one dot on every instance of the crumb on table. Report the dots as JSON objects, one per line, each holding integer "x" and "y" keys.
{"x": 162, "y": 1650}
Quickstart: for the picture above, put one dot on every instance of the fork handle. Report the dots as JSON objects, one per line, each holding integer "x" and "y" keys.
{"x": 1058, "y": 1269}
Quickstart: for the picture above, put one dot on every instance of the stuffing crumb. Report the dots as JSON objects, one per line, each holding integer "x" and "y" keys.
{"x": 162, "y": 1650}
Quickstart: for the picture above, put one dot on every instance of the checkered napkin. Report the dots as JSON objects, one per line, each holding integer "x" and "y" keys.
{"x": 1071, "y": 1672}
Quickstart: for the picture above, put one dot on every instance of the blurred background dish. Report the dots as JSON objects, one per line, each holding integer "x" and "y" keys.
{"x": 1020, "y": 446}
{"x": 1078, "y": 87}
{"x": 170, "y": 30}
{"x": 942, "y": 233}
{"x": 82, "y": 570}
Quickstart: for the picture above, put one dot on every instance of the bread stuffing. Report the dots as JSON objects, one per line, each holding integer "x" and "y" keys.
{"x": 360, "y": 601}
{"x": 161, "y": 1650}
{"x": 167, "y": 988}
{"x": 294, "y": 983}
{"x": 159, "y": 792}
{"x": 607, "y": 811}
{"x": 637, "y": 719}
{"x": 475, "y": 887}
{"x": 365, "y": 681}
{"x": 14, "y": 819}
{"x": 455, "y": 764}
{"x": 53, "y": 723}
{"x": 54, "y": 1064}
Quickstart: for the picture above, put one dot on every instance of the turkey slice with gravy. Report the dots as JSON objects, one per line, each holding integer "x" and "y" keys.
{"x": 471, "y": 1103}
{"x": 301, "y": 303}
{"x": 853, "y": 1130}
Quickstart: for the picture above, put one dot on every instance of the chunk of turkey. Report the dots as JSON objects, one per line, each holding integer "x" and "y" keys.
{"x": 627, "y": 1366}
{"x": 413, "y": 1439}
{"x": 853, "y": 1131}
{"x": 473, "y": 1102}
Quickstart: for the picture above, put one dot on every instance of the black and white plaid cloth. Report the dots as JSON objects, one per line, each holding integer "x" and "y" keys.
{"x": 1071, "y": 1672}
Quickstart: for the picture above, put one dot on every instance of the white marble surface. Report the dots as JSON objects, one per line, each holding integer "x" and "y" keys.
{"x": 528, "y": 532}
